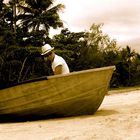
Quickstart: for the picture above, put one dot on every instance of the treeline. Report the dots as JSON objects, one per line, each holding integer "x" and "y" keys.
{"x": 24, "y": 28}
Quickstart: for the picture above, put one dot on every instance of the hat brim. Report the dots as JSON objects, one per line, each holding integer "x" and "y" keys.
{"x": 47, "y": 51}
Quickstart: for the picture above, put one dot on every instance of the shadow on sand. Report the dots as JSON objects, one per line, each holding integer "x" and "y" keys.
{"x": 105, "y": 112}
{"x": 10, "y": 119}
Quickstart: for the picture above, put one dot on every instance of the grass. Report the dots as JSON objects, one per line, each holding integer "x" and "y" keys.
{"x": 124, "y": 89}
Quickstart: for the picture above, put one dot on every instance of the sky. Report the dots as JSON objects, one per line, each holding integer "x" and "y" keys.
{"x": 121, "y": 18}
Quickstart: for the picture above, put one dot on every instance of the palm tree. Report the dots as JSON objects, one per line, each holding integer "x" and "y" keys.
{"x": 127, "y": 56}
{"x": 38, "y": 15}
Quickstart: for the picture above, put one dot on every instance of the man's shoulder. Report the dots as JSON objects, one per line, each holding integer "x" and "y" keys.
{"x": 58, "y": 60}
{"x": 57, "y": 57}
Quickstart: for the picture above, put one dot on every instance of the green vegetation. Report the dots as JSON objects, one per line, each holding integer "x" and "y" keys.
{"x": 24, "y": 28}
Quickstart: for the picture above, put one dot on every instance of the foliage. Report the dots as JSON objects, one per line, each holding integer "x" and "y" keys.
{"x": 24, "y": 30}
{"x": 68, "y": 45}
{"x": 35, "y": 18}
{"x": 19, "y": 65}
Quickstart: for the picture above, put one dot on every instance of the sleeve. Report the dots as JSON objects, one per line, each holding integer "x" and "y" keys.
{"x": 57, "y": 61}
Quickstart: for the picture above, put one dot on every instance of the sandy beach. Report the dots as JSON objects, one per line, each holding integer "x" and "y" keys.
{"x": 118, "y": 118}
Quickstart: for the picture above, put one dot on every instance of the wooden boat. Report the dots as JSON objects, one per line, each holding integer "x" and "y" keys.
{"x": 76, "y": 93}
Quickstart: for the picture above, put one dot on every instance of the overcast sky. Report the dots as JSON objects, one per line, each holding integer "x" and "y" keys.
{"x": 121, "y": 18}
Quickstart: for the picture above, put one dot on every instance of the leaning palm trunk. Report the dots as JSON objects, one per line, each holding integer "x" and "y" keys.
{"x": 76, "y": 93}
{"x": 14, "y": 17}
{"x": 20, "y": 73}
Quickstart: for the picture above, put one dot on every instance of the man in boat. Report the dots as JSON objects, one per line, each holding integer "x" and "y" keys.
{"x": 59, "y": 65}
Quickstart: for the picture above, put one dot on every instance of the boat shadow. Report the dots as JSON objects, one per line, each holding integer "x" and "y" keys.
{"x": 102, "y": 112}
{"x": 106, "y": 112}
{"x": 99, "y": 113}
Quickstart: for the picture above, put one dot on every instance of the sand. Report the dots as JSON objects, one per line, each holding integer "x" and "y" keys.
{"x": 118, "y": 118}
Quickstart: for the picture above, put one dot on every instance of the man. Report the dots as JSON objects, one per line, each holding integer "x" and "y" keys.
{"x": 59, "y": 65}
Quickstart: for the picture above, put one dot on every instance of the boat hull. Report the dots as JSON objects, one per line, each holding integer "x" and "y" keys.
{"x": 77, "y": 93}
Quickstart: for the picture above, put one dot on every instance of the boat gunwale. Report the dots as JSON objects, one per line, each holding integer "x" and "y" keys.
{"x": 81, "y": 72}
{"x": 59, "y": 76}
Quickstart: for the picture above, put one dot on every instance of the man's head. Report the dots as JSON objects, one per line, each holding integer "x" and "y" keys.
{"x": 47, "y": 52}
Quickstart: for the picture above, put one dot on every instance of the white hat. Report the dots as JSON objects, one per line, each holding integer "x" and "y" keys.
{"x": 46, "y": 48}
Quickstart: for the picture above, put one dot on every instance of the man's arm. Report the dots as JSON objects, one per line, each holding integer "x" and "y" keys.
{"x": 58, "y": 70}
